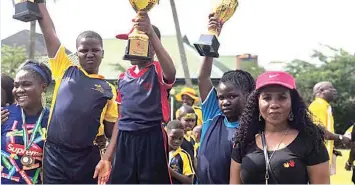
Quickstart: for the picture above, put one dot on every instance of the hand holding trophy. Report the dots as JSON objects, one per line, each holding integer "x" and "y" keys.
{"x": 208, "y": 43}
{"x": 27, "y": 10}
{"x": 138, "y": 40}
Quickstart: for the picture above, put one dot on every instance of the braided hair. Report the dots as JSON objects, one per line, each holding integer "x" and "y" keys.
{"x": 241, "y": 79}
{"x": 89, "y": 34}
{"x": 250, "y": 124}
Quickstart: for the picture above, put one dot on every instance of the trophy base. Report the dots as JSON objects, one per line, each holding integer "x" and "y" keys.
{"x": 137, "y": 50}
{"x": 208, "y": 45}
{"x": 136, "y": 58}
{"x": 27, "y": 11}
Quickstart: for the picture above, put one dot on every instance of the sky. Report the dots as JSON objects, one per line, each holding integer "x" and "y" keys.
{"x": 275, "y": 30}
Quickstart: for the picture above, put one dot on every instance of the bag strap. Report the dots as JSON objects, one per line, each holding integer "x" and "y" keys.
{"x": 268, "y": 170}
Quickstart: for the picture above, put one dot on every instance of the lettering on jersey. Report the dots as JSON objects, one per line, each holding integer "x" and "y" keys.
{"x": 20, "y": 150}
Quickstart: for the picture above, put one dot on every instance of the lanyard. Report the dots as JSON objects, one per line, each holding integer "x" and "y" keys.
{"x": 27, "y": 142}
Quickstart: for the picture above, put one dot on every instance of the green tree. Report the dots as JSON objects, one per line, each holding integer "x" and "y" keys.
{"x": 12, "y": 58}
{"x": 339, "y": 68}
{"x": 254, "y": 69}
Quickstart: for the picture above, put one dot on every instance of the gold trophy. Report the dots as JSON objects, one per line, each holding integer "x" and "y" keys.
{"x": 27, "y": 10}
{"x": 138, "y": 41}
{"x": 208, "y": 43}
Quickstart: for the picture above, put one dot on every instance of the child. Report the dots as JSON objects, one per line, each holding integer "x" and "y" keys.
{"x": 188, "y": 119}
{"x": 180, "y": 164}
{"x": 196, "y": 132}
{"x": 221, "y": 109}
{"x": 83, "y": 107}
{"x": 139, "y": 141}
{"x": 188, "y": 96}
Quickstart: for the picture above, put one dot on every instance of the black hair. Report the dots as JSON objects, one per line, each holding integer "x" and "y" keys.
{"x": 7, "y": 83}
{"x": 174, "y": 124}
{"x": 156, "y": 30}
{"x": 250, "y": 125}
{"x": 241, "y": 79}
{"x": 89, "y": 34}
{"x": 27, "y": 66}
{"x": 185, "y": 109}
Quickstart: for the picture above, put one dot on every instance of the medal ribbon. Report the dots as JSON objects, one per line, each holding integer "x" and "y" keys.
{"x": 27, "y": 142}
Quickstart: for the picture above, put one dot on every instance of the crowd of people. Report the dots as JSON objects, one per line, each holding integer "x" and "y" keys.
{"x": 247, "y": 131}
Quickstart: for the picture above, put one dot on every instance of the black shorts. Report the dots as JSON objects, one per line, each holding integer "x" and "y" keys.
{"x": 141, "y": 157}
{"x": 67, "y": 166}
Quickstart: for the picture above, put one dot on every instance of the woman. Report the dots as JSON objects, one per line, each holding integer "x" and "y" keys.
{"x": 23, "y": 134}
{"x": 7, "y": 84}
{"x": 276, "y": 129}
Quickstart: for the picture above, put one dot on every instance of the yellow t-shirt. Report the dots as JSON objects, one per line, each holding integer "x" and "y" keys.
{"x": 322, "y": 114}
{"x": 92, "y": 90}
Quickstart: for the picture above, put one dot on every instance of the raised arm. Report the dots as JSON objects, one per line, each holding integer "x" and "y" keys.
{"x": 204, "y": 77}
{"x": 48, "y": 30}
{"x": 142, "y": 23}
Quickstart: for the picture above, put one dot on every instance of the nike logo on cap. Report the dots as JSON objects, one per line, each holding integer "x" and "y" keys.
{"x": 272, "y": 76}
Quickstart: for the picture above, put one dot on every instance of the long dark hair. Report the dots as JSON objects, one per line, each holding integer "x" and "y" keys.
{"x": 250, "y": 124}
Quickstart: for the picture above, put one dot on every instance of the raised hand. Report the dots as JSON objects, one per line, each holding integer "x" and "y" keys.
{"x": 142, "y": 23}
{"x": 215, "y": 24}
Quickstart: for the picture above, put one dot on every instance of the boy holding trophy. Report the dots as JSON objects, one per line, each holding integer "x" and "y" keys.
{"x": 139, "y": 141}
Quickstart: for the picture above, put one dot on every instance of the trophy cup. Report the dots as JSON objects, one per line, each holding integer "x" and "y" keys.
{"x": 27, "y": 10}
{"x": 138, "y": 42}
{"x": 208, "y": 43}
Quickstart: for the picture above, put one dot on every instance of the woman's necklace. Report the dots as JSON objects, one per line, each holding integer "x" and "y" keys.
{"x": 278, "y": 146}
{"x": 26, "y": 159}
{"x": 267, "y": 158}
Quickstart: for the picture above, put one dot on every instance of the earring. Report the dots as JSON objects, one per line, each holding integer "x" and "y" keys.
{"x": 259, "y": 117}
{"x": 44, "y": 99}
{"x": 290, "y": 116}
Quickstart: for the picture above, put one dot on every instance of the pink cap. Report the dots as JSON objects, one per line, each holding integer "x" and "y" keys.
{"x": 124, "y": 36}
{"x": 275, "y": 78}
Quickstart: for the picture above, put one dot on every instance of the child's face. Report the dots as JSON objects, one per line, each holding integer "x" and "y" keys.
{"x": 188, "y": 121}
{"x": 231, "y": 100}
{"x": 175, "y": 138}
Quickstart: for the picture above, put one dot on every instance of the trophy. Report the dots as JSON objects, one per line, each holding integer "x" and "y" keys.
{"x": 27, "y": 10}
{"x": 138, "y": 42}
{"x": 208, "y": 43}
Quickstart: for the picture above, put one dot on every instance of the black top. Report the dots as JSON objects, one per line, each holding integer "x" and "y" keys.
{"x": 289, "y": 164}
{"x": 188, "y": 147}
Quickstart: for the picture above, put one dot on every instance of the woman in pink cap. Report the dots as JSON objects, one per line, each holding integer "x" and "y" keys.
{"x": 277, "y": 142}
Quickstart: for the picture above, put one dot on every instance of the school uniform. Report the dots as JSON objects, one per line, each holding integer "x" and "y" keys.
{"x": 142, "y": 145}
{"x": 81, "y": 103}
{"x": 214, "y": 155}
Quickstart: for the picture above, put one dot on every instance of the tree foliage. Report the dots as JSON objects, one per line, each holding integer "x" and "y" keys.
{"x": 12, "y": 58}
{"x": 339, "y": 68}
{"x": 254, "y": 69}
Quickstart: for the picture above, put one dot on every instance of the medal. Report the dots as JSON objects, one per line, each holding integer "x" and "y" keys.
{"x": 27, "y": 160}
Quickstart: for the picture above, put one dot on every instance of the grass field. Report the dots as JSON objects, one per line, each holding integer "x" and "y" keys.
{"x": 342, "y": 176}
